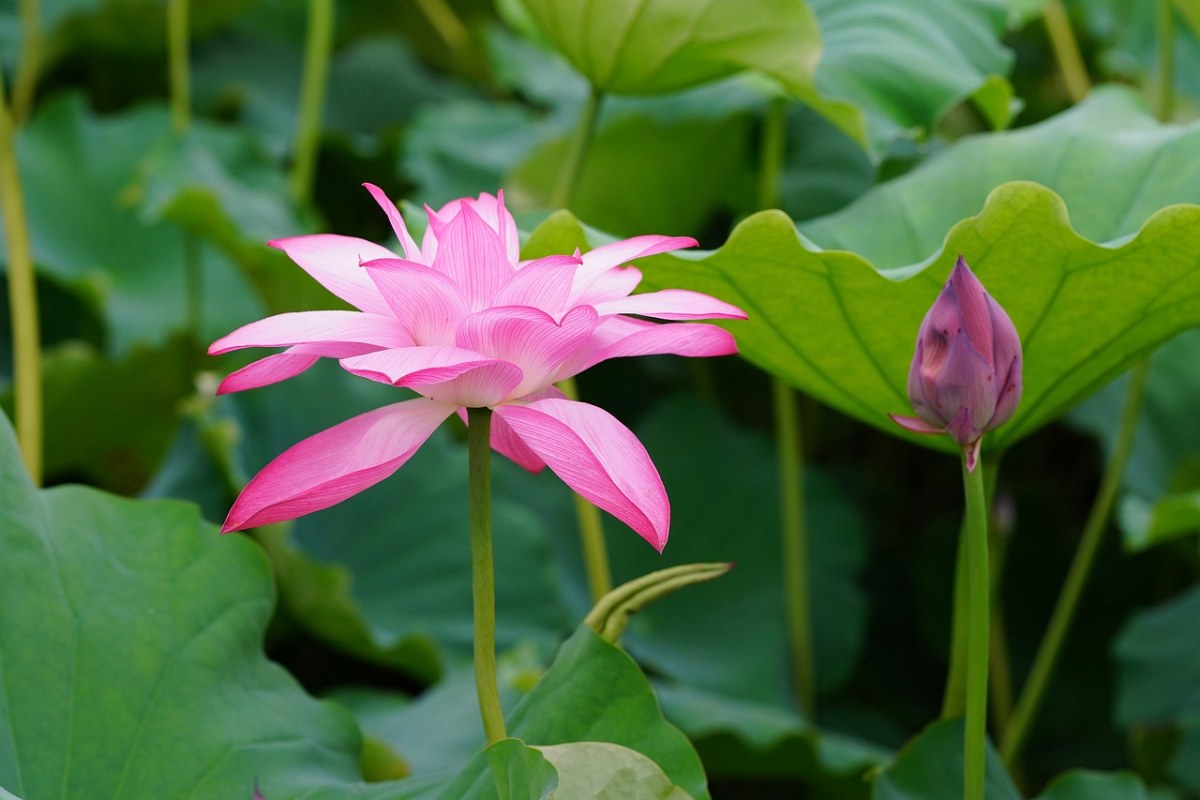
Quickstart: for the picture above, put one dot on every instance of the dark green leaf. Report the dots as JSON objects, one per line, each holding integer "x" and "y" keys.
{"x": 1088, "y": 785}
{"x": 930, "y": 767}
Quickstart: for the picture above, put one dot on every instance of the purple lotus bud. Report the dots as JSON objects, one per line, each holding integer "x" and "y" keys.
{"x": 965, "y": 377}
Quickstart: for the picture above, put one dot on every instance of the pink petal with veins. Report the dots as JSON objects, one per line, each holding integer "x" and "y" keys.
{"x": 335, "y": 464}
{"x": 544, "y": 284}
{"x": 620, "y": 337}
{"x": 470, "y": 254}
{"x": 672, "y": 304}
{"x": 599, "y": 458}
{"x": 326, "y": 333}
{"x": 427, "y": 302}
{"x": 411, "y": 251}
{"x": 265, "y": 371}
{"x": 607, "y": 256}
{"x": 529, "y": 338}
{"x": 333, "y": 260}
{"x": 614, "y": 284}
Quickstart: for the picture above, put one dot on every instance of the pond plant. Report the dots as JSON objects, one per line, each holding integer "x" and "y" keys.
{"x": 880, "y": 232}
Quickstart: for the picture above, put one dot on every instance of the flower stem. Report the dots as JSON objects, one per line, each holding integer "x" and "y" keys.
{"x": 577, "y": 149}
{"x": 447, "y": 24}
{"x": 773, "y": 147}
{"x": 794, "y": 545}
{"x": 317, "y": 50}
{"x": 22, "y": 298}
{"x": 30, "y": 63}
{"x": 1066, "y": 49}
{"x": 954, "y": 700}
{"x": 591, "y": 529}
{"x": 978, "y": 626}
{"x": 180, "y": 80}
{"x": 483, "y": 581}
{"x": 1060, "y": 621}
{"x": 1166, "y": 61}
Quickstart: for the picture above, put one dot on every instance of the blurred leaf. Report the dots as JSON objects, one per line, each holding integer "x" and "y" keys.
{"x": 906, "y": 64}
{"x": 129, "y": 417}
{"x": 577, "y": 771}
{"x": 1160, "y": 480}
{"x": 841, "y": 328}
{"x": 75, "y": 169}
{"x": 403, "y": 543}
{"x": 667, "y": 166}
{"x": 824, "y": 169}
{"x": 1158, "y": 664}
{"x": 123, "y": 623}
{"x": 1087, "y": 785}
{"x": 629, "y": 47}
{"x": 592, "y": 692}
{"x": 870, "y": 66}
{"x": 218, "y": 184}
{"x": 930, "y": 767}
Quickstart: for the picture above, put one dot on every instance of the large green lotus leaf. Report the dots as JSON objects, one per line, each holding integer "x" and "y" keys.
{"x": 130, "y": 638}
{"x": 1160, "y": 499}
{"x": 841, "y": 325}
{"x": 404, "y": 542}
{"x": 86, "y": 232}
{"x": 1088, "y": 785}
{"x": 930, "y": 767}
{"x": 874, "y": 68}
{"x": 906, "y": 64}
{"x": 577, "y": 771}
{"x": 592, "y": 692}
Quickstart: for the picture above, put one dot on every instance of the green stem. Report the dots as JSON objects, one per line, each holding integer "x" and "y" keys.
{"x": 577, "y": 149}
{"x": 483, "y": 580}
{"x": 312, "y": 96}
{"x": 1066, "y": 49}
{"x": 447, "y": 24}
{"x": 1000, "y": 676}
{"x": 22, "y": 298}
{"x": 1060, "y": 621}
{"x": 177, "y": 57}
{"x": 30, "y": 63}
{"x": 978, "y": 627}
{"x": 954, "y": 700}
{"x": 591, "y": 529}
{"x": 1166, "y": 60}
{"x": 773, "y": 146}
{"x": 794, "y": 544}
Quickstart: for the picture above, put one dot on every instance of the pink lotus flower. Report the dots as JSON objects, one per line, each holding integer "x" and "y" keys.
{"x": 965, "y": 378}
{"x": 463, "y": 322}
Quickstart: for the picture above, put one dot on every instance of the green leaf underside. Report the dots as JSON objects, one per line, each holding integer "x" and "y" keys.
{"x": 1158, "y": 664}
{"x": 123, "y": 623}
{"x": 577, "y": 771}
{"x": 593, "y": 692}
{"x": 834, "y": 326}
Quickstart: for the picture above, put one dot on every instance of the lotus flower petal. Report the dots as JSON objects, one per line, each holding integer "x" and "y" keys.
{"x": 607, "y": 256}
{"x": 471, "y": 255}
{"x": 614, "y": 284}
{"x": 427, "y": 302}
{"x": 672, "y": 304}
{"x": 529, "y": 338}
{"x": 544, "y": 284}
{"x": 599, "y": 458}
{"x": 336, "y": 463}
{"x": 620, "y": 337}
{"x": 328, "y": 333}
{"x": 411, "y": 250}
{"x": 265, "y": 371}
{"x": 334, "y": 260}
{"x": 441, "y": 371}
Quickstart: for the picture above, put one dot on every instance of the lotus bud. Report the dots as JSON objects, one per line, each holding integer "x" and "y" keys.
{"x": 965, "y": 378}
